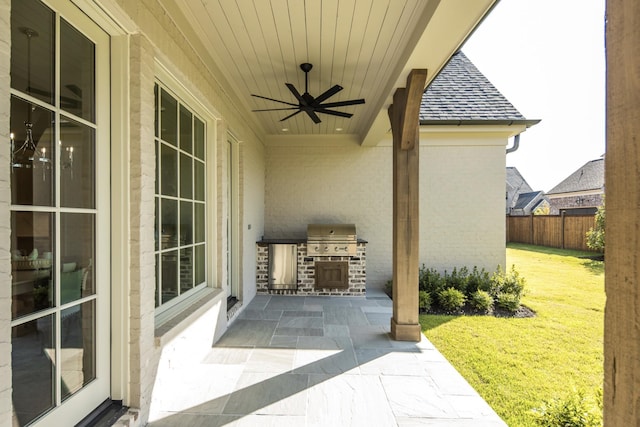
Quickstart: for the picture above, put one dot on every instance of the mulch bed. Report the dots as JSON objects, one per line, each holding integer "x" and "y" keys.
{"x": 522, "y": 312}
{"x": 594, "y": 257}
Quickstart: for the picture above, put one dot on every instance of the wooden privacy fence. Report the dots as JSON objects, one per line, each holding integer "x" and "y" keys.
{"x": 556, "y": 231}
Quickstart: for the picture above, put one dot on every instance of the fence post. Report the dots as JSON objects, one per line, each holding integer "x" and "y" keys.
{"x": 562, "y": 229}
{"x": 507, "y": 232}
{"x": 531, "y": 239}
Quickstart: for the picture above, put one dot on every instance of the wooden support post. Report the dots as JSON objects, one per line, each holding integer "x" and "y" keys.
{"x": 622, "y": 265}
{"x": 405, "y": 126}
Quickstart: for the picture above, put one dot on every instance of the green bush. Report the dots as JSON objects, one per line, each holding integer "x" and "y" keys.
{"x": 509, "y": 302}
{"x": 481, "y": 301}
{"x": 451, "y": 299}
{"x": 507, "y": 282}
{"x": 478, "y": 280}
{"x": 388, "y": 288}
{"x": 480, "y": 289}
{"x": 507, "y": 288}
{"x": 458, "y": 279}
{"x": 575, "y": 410}
{"x": 595, "y": 235}
{"x": 430, "y": 280}
{"x": 424, "y": 300}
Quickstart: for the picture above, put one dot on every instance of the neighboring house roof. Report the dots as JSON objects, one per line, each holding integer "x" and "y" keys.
{"x": 588, "y": 177}
{"x": 524, "y": 199}
{"x": 516, "y": 181}
{"x": 461, "y": 94}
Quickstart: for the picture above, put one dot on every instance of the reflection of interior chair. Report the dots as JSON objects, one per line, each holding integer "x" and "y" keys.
{"x": 71, "y": 285}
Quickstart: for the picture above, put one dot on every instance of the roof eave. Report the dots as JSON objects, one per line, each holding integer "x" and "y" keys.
{"x": 480, "y": 122}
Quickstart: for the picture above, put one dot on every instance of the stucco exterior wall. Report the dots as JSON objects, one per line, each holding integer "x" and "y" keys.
{"x": 461, "y": 190}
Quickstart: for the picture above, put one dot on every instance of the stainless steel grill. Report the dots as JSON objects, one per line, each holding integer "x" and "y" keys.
{"x": 331, "y": 240}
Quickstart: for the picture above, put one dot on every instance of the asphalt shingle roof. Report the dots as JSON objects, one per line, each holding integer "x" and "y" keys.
{"x": 462, "y": 92}
{"x": 588, "y": 177}
{"x": 525, "y": 198}
{"x": 516, "y": 181}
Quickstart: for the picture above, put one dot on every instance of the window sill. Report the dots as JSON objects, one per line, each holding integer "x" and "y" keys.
{"x": 186, "y": 314}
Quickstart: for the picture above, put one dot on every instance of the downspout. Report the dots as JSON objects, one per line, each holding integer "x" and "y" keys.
{"x": 516, "y": 144}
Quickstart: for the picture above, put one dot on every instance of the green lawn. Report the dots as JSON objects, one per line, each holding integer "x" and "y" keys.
{"x": 517, "y": 364}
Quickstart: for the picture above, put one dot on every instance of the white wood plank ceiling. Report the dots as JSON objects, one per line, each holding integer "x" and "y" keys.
{"x": 357, "y": 44}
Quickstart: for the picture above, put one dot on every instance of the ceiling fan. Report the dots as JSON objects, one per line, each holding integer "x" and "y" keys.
{"x": 308, "y": 103}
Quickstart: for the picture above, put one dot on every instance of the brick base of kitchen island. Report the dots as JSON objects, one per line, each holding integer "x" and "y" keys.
{"x": 306, "y": 272}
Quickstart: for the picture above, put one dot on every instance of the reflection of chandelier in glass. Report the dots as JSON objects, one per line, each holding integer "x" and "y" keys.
{"x": 28, "y": 155}
{"x": 67, "y": 161}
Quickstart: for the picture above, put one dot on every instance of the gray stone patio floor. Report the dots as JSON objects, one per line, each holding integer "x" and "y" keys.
{"x": 323, "y": 361}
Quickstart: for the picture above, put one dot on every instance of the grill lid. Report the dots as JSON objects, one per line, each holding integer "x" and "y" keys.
{"x": 326, "y": 232}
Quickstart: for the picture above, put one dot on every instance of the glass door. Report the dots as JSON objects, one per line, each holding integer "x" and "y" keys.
{"x": 59, "y": 128}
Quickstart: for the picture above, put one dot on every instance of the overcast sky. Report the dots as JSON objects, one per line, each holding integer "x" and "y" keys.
{"x": 547, "y": 57}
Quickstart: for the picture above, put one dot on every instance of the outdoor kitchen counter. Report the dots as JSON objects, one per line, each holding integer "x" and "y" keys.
{"x": 294, "y": 241}
{"x": 306, "y": 269}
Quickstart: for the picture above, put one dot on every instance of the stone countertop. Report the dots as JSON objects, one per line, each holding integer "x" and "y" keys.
{"x": 292, "y": 240}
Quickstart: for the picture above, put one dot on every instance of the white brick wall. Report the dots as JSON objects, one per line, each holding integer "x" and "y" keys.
{"x": 143, "y": 357}
{"x": 159, "y": 39}
{"x": 461, "y": 189}
{"x": 351, "y": 184}
{"x": 462, "y": 206}
{"x": 5, "y": 263}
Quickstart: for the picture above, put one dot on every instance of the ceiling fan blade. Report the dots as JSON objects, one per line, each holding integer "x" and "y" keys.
{"x": 342, "y": 103}
{"x": 313, "y": 115}
{"x": 291, "y": 115}
{"x": 334, "y": 113}
{"x": 275, "y": 109}
{"x": 275, "y": 100}
{"x": 295, "y": 93}
{"x": 328, "y": 94}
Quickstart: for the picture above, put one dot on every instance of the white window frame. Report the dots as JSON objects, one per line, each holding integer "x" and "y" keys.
{"x": 166, "y": 80}
{"x": 74, "y": 407}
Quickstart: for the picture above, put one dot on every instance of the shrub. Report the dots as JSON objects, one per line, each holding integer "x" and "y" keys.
{"x": 481, "y": 301}
{"x": 458, "y": 279}
{"x": 595, "y": 235}
{"x": 451, "y": 299}
{"x": 424, "y": 300}
{"x": 430, "y": 281}
{"x": 572, "y": 411}
{"x": 509, "y": 302}
{"x": 507, "y": 288}
{"x": 507, "y": 282}
{"x": 388, "y": 288}
{"x": 478, "y": 280}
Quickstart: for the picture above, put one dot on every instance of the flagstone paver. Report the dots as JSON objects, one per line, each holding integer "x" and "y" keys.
{"x": 320, "y": 361}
